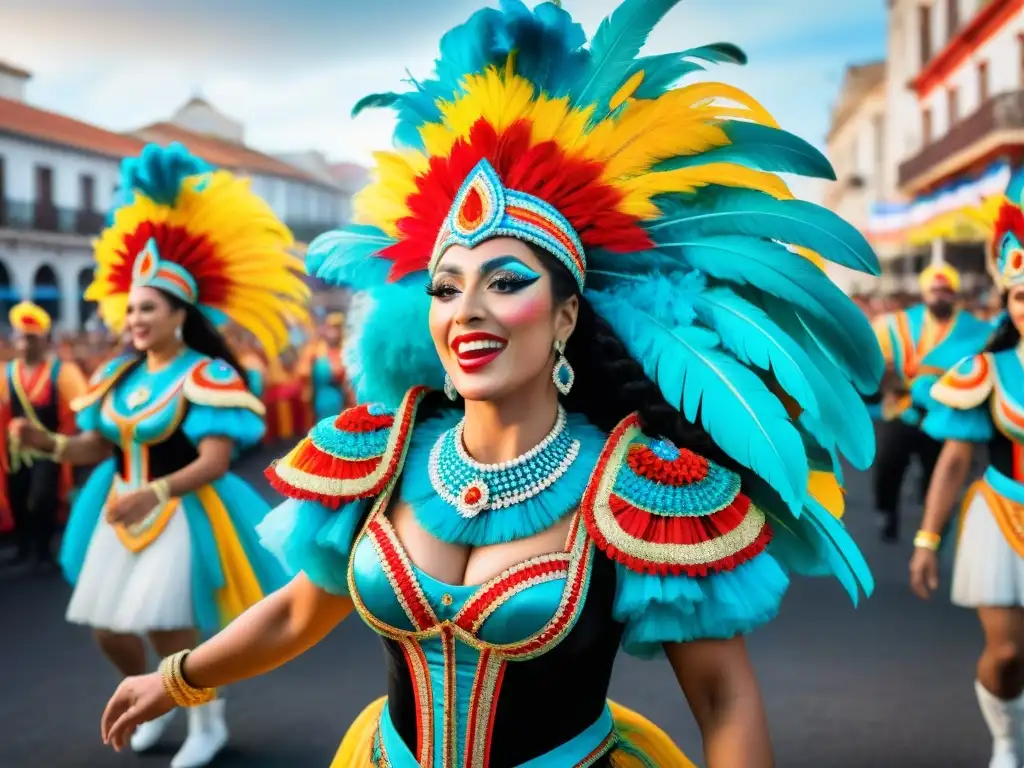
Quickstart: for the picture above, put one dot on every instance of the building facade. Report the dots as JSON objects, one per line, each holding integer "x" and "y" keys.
{"x": 956, "y": 127}
{"x": 58, "y": 177}
{"x": 857, "y": 150}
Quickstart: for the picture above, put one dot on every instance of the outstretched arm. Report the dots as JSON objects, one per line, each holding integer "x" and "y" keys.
{"x": 718, "y": 680}
{"x": 271, "y": 633}
{"x": 81, "y": 450}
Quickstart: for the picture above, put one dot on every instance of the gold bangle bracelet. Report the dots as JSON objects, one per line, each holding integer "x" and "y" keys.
{"x": 60, "y": 444}
{"x": 927, "y": 540}
{"x": 162, "y": 490}
{"x": 177, "y": 688}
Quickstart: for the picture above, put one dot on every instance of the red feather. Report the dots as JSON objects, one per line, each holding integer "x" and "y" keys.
{"x": 174, "y": 244}
{"x": 571, "y": 185}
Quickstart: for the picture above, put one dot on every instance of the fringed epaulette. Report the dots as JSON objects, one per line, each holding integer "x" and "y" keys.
{"x": 102, "y": 381}
{"x": 967, "y": 385}
{"x": 217, "y": 384}
{"x": 659, "y": 509}
{"x": 348, "y": 457}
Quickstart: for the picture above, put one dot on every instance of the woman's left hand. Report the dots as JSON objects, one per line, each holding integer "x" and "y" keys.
{"x": 132, "y": 507}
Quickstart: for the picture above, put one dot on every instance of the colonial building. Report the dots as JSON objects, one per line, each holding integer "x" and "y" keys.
{"x": 58, "y": 176}
{"x": 857, "y": 150}
{"x": 956, "y": 125}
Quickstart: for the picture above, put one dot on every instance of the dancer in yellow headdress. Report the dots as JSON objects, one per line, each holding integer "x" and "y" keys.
{"x": 39, "y": 387}
{"x": 161, "y": 540}
{"x": 626, "y": 447}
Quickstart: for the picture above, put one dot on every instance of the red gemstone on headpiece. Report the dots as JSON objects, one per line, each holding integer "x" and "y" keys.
{"x": 1017, "y": 260}
{"x": 472, "y": 209}
{"x": 472, "y": 496}
{"x": 29, "y": 322}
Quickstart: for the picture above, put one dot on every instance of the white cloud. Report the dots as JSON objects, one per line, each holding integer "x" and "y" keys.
{"x": 102, "y": 74}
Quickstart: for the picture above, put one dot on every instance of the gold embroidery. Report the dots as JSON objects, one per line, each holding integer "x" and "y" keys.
{"x": 702, "y": 553}
{"x": 485, "y": 692}
{"x": 507, "y": 594}
{"x": 352, "y": 487}
{"x": 448, "y": 759}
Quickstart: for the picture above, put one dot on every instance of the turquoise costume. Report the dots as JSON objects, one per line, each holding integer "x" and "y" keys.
{"x": 328, "y": 380}
{"x": 155, "y": 422}
{"x": 665, "y": 216}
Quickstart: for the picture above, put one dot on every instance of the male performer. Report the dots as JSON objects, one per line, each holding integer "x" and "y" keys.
{"x": 38, "y": 386}
{"x": 919, "y": 344}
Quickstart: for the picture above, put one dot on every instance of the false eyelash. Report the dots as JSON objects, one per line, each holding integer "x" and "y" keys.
{"x": 435, "y": 292}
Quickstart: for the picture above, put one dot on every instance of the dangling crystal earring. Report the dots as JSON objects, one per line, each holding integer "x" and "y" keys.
{"x": 178, "y": 333}
{"x": 449, "y": 388}
{"x": 563, "y": 375}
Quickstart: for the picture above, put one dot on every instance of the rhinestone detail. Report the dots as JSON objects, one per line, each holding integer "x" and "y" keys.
{"x": 472, "y": 487}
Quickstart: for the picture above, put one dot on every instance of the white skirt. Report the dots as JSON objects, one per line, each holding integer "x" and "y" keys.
{"x": 988, "y": 571}
{"x": 134, "y": 593}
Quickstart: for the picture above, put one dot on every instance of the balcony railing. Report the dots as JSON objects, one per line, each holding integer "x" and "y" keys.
{"x": 39, "y": 217}
{"x": 999, "y": 113}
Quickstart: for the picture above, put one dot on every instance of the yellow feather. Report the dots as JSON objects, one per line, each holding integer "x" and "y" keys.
{"x": 383, "y": 201}
{"x": 627, "y": 90}
{"x": 640, "y": 189}
{"x": 825, "y": 489}
{"x": 812, "y": 256}
{"x": 250, "y": 248}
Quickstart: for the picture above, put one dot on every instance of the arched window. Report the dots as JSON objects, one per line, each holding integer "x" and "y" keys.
{"x": 85, "y": 308}
{"x": 46, "y": 291}
{"x": 8, "y": 294}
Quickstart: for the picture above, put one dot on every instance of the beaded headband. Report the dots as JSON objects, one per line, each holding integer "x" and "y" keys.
{"x": 151, "y": 272}
{"x": 484, "y": 209}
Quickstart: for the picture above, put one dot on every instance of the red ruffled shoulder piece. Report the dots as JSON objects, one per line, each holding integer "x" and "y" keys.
{"x": 350, "y": 456}
{"x": 659, "y": 509}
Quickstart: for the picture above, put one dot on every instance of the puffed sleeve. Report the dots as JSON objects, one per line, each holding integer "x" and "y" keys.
{"x": 696, "y": 556}
{"x": 221, "y": 405}
{"x": 689, "y": 547}
{"x": 959, "y": 402}
{"x": 330, "y": 478}
{"x": 307, "y": 536}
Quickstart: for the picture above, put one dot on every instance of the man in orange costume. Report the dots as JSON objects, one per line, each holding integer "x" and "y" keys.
{"x": 38, "y": 386}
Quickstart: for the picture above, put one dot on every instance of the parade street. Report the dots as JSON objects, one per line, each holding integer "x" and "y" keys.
{"x": 886, "y": 685}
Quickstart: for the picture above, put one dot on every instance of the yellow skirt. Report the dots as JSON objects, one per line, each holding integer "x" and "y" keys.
{"x": 642, "y": 735}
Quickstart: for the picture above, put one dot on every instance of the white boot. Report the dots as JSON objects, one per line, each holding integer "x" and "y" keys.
{"x": 148, "y": 734}
{"x": 1004, "y": 720}
{"x": 207, "y": 735}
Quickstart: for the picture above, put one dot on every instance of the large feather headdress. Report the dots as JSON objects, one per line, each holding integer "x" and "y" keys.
{"x": 203, "y": 236}
{"x": 696, "y": 252}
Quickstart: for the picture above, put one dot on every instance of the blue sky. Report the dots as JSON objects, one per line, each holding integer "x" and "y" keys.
{"x": 291, "y": 69}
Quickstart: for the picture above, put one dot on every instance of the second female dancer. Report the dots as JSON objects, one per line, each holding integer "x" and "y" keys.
{"x": 161, "y": 542}
{"x": 577, "y": 257}
{"x": 980, "y": 402}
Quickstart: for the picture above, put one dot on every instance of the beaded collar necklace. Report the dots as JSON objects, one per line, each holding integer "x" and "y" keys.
{"x": 472, "y": 487}
{"x": 461, "y": 500}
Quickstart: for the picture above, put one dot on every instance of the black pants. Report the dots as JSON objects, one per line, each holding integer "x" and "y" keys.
{"x": 897, "y": 444}
{"x": 33, "y": 495}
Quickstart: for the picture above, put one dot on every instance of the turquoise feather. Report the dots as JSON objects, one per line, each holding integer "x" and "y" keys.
{"x": 761, "y": 147}
{"x": 375, "y": 101}
{"x": 747, "y": 332}
{"x": 724, "y": 211}
{"x": 735, "y": 407}
{"x": 844, "y": 420}
{"x": 664, "y": 70}
{"x": 777, "y": 271}
{"x": 345, "y": 256}
{"x": 614, "y": 48}
{"x": 159, "y": 172}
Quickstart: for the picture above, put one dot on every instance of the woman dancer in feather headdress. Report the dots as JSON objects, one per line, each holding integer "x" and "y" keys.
{"x": 645, "y": 396}
{"x": 981, "y": 401}
{"x": 161, "y": 539}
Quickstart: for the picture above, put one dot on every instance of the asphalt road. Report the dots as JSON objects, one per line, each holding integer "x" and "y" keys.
{"x": 885, "y": 685}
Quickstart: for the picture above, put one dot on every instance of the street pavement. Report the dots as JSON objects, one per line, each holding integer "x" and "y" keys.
{"x": 888, "y": 684}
